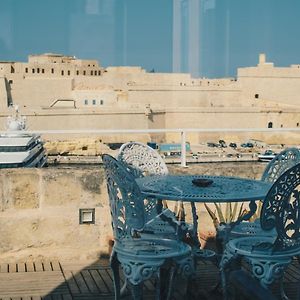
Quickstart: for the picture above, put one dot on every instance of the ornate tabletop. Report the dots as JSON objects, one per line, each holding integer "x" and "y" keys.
{"x": 222, "y": 188}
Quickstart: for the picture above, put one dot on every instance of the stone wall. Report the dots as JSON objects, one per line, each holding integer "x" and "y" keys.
{"x": 40, "y": 209}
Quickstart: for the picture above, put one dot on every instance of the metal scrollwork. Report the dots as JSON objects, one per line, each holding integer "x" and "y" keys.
{"x": 280, "y": 163}
{"x": 141, "y": 160}
{"x": 268, "y": 271}
{"x": 281, "y": 209}
{"x": 270, "y": 256}
{"x": 138, "y": 272}
{"x": 140, "y": 257}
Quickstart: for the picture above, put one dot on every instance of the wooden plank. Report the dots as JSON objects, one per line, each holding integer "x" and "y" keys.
{"x": 12, "y": 268}
{"x": 32, "y": 283}
{"x": 55, "y": 265}
{"x": 21, "y": 267}
{"x": 4, "y": 268}
{"x": 47, "y": 265}
{"x": 99, "y": 281}
{"x": 71, "y": 282}
{"x": 107, "y": 280}
{"x": 88, "y": 265}
{"x": 90, "y": 281}
{"x": 81, "y": 283}
{"x": 56, "y": 297}
{"x": 29, "y": 266}
{"x": 38, "y": 266}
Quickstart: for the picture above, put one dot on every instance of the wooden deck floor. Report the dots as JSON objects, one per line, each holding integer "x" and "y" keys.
{"x": 57, "y": 280}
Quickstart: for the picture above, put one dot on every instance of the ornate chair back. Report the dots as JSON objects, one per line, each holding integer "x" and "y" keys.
{"x": 280, "y": 163}
{"x": 142, "y": 160}
{"x": 281, "y": 210}
{"x": 125, "y": 198}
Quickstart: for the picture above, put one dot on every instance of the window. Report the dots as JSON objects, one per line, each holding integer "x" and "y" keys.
{"x": 77, "y": 72}
{"x": 99, "y": 72}
{"x": 52, "y": 71}
{"x": 38, "y": 70}
{"x": 69, "y": 72}
{"x": 86, "y": 102}
{"x": 12, "y": 69}
{"x": 94, "y": 102}
{"x": 10, "y": 81}
{"x": 256, "y": 96}
{"x": 62, "y": 72}
{"x": 26, "y": 70}
{"x": 101, "y": 102}
{"x": 92, "y": 73}
{"x": 33, "y": 70}
{"x": 43, "y": 71}
{"x": 84, "y": 72}
{"x": 270, "y": 125}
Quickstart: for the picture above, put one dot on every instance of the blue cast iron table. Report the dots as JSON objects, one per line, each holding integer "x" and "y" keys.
{"x": 223, "y": 189}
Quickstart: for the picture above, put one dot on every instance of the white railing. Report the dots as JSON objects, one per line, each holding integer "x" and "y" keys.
{"x": 182, "y": 131}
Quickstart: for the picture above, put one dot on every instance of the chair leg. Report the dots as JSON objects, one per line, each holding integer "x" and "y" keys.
{"x": 225, "y": 266}
{"x": 136, "y": 290}
{"x": 170, "y": 283}
{"x": 114, "y": 264}
{"x": 124, "y": 290}
{"x": 282, "y": 292}
{"x": 157, "y": 286}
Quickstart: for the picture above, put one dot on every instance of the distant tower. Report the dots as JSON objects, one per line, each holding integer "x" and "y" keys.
{"x": 186, "y": 36}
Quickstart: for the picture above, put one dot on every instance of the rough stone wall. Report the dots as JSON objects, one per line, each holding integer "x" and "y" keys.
{"x": 39, "y": 209}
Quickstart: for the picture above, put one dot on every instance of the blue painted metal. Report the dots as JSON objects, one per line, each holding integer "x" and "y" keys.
{"x": 140, "y": 258}
{"x": 142, "y": 160}
{"x": 223, "y": 189}
{"x": 270, "y": 256}
{"x": 276, "y": 167}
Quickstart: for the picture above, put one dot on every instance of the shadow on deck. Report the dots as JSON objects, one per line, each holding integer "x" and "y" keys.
{"x": 54, "y": 280}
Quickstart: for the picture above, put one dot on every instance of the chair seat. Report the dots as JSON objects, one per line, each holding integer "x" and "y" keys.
{"x": 259, "y": 247}
{"x": 152, "y": 249}
{"x": 245, "y": 229}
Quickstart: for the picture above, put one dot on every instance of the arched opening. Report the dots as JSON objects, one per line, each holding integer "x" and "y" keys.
{"x": 270, "y": 125}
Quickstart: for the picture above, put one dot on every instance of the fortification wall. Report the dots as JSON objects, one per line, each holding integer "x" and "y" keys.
{"x": 281, "y": 85}
{"x": 40, "y": 92}
{"x": 40, "y": 210}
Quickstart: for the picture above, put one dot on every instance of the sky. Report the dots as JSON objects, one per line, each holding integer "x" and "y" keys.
{"x": 207, "y": 38}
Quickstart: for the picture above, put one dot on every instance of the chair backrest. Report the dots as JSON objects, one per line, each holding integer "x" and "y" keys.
{"x": 125, "y": 198}
{"x": 281, "y": 209}
{"x": 142, "y": 160}
{"x": 280, "y": 163}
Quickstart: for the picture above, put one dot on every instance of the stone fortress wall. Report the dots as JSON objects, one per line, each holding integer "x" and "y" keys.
{"x": 62, "y": 92}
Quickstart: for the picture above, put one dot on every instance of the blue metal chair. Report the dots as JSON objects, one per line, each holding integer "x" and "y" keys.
{"x": 140, "y": 258}
{"x": 142, "y": 160}
{"x": 276, "y": 167}
{"x": 269, "y": 256}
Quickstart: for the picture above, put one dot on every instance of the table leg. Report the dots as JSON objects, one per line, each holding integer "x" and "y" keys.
{"x": 196, "y": 247}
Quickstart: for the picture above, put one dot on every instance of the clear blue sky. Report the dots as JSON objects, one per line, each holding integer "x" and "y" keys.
{"x": 231, "y": 33}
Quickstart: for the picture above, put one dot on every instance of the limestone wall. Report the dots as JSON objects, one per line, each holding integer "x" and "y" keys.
{"x": 39, "y": 213}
